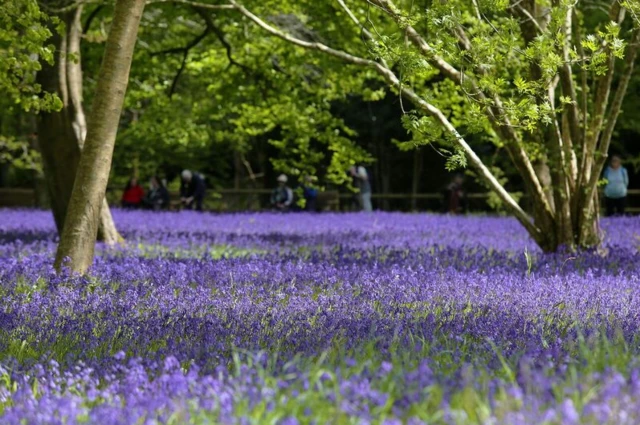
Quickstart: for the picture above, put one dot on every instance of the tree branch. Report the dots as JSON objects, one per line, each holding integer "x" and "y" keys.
{"x": 599, "y": 156}
{"x": 617, "y": 14}
{"x": 195, "y": 4}
{"x": 74, "y": 74}
{"x": 78, "y": 3}
{"x": 568, "y": 88}
{"x": 91, "y": 17}
{"x": 476, "y": 9}
{"x": 185, "y": 54}
{"x": 426, "y": 107}
{"x": 621, "y": 91}
{"x": 529, "y": 18}
{"x": 495, "y": 113}
{"x": 69, "y": 8}
{"x": 577, "y": 42}
{"x": 221, "y": 38}
{"x": 193, "y": 43}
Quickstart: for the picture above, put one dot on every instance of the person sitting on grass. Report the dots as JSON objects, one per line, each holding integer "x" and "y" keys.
{"x": 192, "y": 190}
{"x": 158, "y": 196}
{"x": 282, "y": 196}
{"x": 133, "y": 194}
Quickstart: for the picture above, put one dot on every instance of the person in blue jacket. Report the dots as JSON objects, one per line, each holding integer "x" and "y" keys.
{"x": 192, "y": 190}
{"x": 310, "y": 194}
{"x": 615, "y": 192}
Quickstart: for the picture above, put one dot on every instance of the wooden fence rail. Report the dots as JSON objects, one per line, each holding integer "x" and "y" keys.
{"x": 256, "y": 199}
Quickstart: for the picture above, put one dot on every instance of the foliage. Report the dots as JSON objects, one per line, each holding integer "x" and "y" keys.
{"x": 538, "y": 84}
{"x": 24, "y": 32}
{"x": 231, "y": 90}
{"x": 19, "y": 154}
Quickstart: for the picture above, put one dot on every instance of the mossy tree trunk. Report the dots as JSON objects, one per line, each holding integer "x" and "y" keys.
{"x": 61, "y": 134}
{"x": 77, "y": 242}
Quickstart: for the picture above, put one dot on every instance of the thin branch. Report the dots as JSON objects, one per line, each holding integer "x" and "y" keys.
{"x": 221, "y": 38}
{"x": 185, "y": 54}
{"x": 193, "y": 43}
{"x": 247, "y": 165}
{"x": 529, "y": 18}
{"x": 78, "y": 3}
{"x": 69, "y": 8}
{"x": 577, "y": 42}
{"x": 476, "y": 8}
{"x": 621, "y": 91}
{"x": 91, "y": 17}
{"x": 617, "y": 14}
{"x": 425, "y": 106}
{"x": 195, "y": 4}
{"x": 355, "y": 19}
{"x": 568, "y": 87}
{"x": 366, "y": 33}
{"x": 174, "y": 82}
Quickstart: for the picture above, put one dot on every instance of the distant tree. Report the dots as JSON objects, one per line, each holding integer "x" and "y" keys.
{"x": 536, "y": 77}
{"x": 77, "y": 241}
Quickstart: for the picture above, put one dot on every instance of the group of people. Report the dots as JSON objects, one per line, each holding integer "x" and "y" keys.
{"x": 156, "y": 198}
{"x": 283, "y": 197}
{"x": 615, "y": 190}
{"x": 192, "y": 190}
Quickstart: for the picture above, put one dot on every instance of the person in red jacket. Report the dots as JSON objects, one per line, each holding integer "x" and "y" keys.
{"x": 133, "y": 194}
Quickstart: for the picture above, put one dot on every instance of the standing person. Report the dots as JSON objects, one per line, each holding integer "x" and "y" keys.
{"x": 133, "y": 194}
{"x": 158, "y": 196}
{"x": 455, "y": 198}
{"x": 310, "y": 195}
{"x": 361, "y": 181}
{"x": 282, "y": 196}
{"x": 615, "y": 192}
{"x": 192, "y": 190}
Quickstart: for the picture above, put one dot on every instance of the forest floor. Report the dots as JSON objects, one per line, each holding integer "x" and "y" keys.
{"x": 380, "y": 318}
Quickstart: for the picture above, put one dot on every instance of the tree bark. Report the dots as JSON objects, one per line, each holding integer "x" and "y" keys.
{"x": 61, "y": 134}
{"x": 416, "y": 178}
{"x": 40, "y": 192}
{"x": 77, "y": 243}
{"x": 544, "y": 175}
{"x": 237, "y": 169}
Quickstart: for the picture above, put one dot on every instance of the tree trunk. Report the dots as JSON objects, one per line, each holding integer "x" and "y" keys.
{"x": 544, "y": 175}
{"x": 61, "y": 134}
{"x": 416, "y": 178}
{"x": 77, "y": 243}
{"x": 237, "y": 169}
{"x": 588, "y": 231}
{"x": 40, "y": 193}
